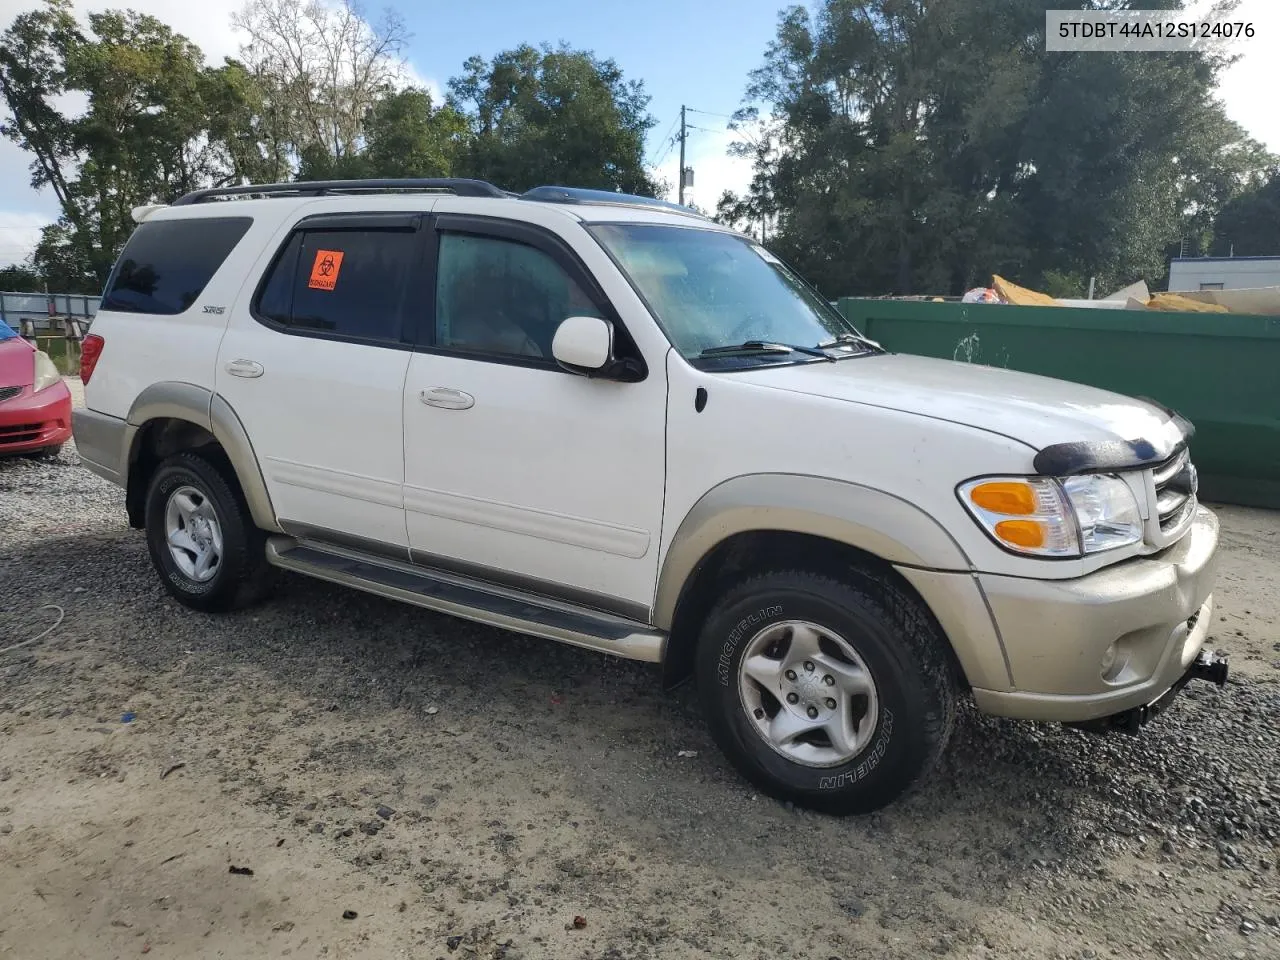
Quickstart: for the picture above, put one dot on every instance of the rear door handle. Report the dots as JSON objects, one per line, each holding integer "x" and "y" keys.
{"x": 245, "y": 368}
{"x": 447, "y": 398}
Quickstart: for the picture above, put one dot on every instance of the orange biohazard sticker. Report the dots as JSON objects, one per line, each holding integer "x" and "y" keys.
{"x": 325, "y": 269}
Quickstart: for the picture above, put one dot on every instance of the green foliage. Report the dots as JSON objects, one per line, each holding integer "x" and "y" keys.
{"x": 405, "y": 136}
{"x": 1249, "y": 225}
{"x": 1071, "y": 286}
{"x": 19, "y": 279}
{"x": 898, "y": 145}
{"x": 552, "y": 116}
{"x": 317, "y": 95}
{"x": 156, "y": 123}
{"x": 923, "y": 147}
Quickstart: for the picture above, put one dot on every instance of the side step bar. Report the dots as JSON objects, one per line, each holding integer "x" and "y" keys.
{"x": 469, "y": 599}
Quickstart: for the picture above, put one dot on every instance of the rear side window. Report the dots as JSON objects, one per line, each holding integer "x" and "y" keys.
{"x": 167, "y": 264}
{"x": 341, "y": 283}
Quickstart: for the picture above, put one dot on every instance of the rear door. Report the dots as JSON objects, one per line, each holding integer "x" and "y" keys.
{"x": 314, "y": 363}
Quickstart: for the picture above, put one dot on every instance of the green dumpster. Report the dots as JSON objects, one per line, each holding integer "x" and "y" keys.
{"x": 1221, "y": 371}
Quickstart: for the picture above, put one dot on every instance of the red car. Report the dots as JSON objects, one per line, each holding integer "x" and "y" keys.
{"x": 35, "y": 405}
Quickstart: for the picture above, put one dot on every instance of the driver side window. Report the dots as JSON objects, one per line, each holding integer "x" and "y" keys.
{"x": 502, "y": 298}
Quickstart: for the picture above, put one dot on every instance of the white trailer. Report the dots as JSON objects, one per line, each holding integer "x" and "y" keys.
{"x": 1189, "y": 275}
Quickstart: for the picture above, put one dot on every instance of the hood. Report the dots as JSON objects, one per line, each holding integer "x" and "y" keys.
{"x": 17, "y": 369}
{"x": 1039, "y": 411}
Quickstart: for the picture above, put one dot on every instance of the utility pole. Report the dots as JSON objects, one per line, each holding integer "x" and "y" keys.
{"x": 683, "y": 134}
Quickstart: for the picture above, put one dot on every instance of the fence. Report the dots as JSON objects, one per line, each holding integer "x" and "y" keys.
{"x": 1218, "y": 370}
{"x": 31, "y": 313}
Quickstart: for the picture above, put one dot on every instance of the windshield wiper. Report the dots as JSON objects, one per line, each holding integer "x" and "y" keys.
{"x": 849, "y": 338}
{"x": 763, "y": 346}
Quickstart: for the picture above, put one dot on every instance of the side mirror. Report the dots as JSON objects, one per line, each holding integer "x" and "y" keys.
{"x": 583, "y": 344}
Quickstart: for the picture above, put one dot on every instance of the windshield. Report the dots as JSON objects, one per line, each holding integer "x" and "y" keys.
{"x": 6, "y": 331}
{"x": 713, "y": 290}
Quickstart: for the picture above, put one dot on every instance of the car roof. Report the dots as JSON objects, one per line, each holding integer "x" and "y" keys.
{"x": 581, "y": 204}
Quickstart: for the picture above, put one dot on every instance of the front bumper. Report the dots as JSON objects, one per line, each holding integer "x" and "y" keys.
{"x": 34, "y": 421}
{"x": 1101, "y": 645}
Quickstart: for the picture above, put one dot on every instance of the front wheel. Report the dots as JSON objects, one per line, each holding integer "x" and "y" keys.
{"x": 201, "y": 537}
{"x": 835, "y": 695}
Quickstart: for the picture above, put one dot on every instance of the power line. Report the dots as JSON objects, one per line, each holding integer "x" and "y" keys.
{"x": 668, "y": 141}
{"x": 710, "y": 114}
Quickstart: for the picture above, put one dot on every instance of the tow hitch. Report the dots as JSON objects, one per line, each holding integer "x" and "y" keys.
{"x": 1207, "y": 666}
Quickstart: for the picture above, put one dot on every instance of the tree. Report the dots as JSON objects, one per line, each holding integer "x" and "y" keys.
{"x": 758, "y": 141}
{"x": 553, "y": 116}
{"x": 248, "y": 123}
{"x": 404, "y": 136}
{"x": 410, "y": 137}
{"x": 154, "y": 126}
{"x": 326, "y": 68}
{"x": 1249, "y": 225}
{"x": 19, "y": 279}
{"x": 922, "y": 147}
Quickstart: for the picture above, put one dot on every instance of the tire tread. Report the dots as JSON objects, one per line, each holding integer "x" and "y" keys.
{"x": 252, "y": 576}
{"x": 879, "y": 592}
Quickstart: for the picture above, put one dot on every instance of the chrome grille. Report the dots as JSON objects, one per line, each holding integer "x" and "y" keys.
{"x": 1176, "y": 484}
{"x": 8, "y": 393}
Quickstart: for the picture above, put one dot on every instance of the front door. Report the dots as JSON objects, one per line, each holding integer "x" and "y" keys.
{"x": 314, "y": 366}
{"x": 516, "y": 470}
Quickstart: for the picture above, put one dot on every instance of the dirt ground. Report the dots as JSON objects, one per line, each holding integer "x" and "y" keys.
{"x": 406, "y": 785}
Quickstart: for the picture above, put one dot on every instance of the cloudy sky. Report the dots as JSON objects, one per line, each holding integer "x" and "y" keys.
{"x": 696, "y": 53}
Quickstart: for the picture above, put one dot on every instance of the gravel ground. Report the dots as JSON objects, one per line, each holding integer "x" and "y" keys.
{"x": 456, "y": 791}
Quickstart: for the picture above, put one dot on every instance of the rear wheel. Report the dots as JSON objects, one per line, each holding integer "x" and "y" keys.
{"x": 835, "y": 695}
{"x": 202, "y": 540}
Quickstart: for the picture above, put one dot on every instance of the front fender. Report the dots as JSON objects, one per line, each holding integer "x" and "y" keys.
{"x": 874, "y": 521}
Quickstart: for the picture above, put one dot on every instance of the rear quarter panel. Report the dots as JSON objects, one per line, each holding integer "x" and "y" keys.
{"x": 141, "y": 349}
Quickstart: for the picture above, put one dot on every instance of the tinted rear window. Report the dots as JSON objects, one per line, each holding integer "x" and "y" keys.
{"x": 341, "y": 283}
{"x": 166, "y": 264}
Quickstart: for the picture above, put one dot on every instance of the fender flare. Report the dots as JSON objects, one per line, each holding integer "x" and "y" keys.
{"x": 880, "y": 523}
{"x": 204, "y": 408}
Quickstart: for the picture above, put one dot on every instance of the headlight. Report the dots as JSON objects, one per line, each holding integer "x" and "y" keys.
{"x": 1106, "y": 511}
{"x": 46, "y": 374}
{"x": 1046, "y": 517}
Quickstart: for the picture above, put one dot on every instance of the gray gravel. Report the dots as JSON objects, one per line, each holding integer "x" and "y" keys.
{"x": 490, "y": 787}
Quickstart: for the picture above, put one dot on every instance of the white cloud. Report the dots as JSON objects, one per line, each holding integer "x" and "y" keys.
{"x": 1249, "y": 87}
{"x": 19, "y": 233}
{"x": 414, "y": 78}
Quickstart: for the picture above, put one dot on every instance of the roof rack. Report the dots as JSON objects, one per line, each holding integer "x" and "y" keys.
{"x": 586, "y": 195}
{"x": 459, "y": 186}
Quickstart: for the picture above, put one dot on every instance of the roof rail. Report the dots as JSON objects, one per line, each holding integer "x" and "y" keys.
{"x": 587, "y": 195}
{"x": 460, "y": 186}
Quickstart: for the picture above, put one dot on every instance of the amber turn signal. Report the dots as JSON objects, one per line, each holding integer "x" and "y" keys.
{"x": 1022, "y": 533}
{"x": 1007, "y": 497}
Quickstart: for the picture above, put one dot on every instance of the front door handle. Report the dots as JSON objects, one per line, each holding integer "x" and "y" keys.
{"x": 447, "y": 398}
{"x": 245, "y": 368}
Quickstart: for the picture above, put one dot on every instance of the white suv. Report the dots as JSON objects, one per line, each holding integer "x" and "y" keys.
{"x": 605, "y": 420}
